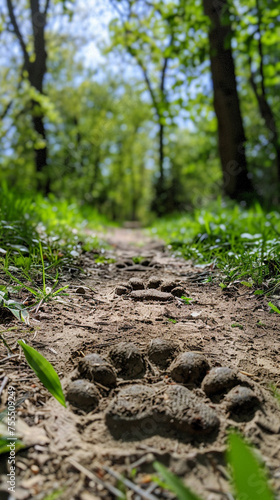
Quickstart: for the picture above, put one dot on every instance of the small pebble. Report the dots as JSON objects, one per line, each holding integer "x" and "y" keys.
{"x": 80, "y": 290}
{"x": 35, "y": 469}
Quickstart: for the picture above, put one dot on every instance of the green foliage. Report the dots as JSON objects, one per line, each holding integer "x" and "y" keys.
{"x": 6, "y": 441}
{"x": 44, "y": 371}
{"x": 187, "y": 300}
{"x": 102, "y": 148}
{"x": 249, "y": 478}
{"x": 274, "y": 308}
{"x": 173, "y": 483}
{"x": 243, "y": 243}
{"x": 16, "y": 308}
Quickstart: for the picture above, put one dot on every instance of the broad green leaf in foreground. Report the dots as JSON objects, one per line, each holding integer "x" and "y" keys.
{"x": 44, "y": 371}
{"x": 248, "y": 475}
{"x": 175, "y": 484}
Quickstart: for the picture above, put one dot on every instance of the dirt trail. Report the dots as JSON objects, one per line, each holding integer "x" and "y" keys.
{"x": 157, "y": 389}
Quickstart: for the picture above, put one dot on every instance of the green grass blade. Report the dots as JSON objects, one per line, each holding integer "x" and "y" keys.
{"x": 44, "y": 371}
{"x": 175, "y": 484}
{"x": 43, "y": 268}
{"x": 60, "y": 290}
{"x": 28, "y": 288}
{"x": 274, "y": 308}
{"x": 248, "y": 475}
{"x": 55, "y": 494}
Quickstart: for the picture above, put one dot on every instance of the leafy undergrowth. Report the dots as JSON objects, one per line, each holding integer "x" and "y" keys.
{"x": 38, "y": 239}
{"x": 244, "y": 244}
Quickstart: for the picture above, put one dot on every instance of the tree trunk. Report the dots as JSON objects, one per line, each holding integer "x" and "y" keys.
{"x": 236, "y": 182}
{"x": 159, "y": 203}
{"x": 268, "y": 117}
{"x": 43, "y": 181}
{"x": 260, "y": 92}
{"x": 36, "y": 71}
{"x": 36, "y": 68}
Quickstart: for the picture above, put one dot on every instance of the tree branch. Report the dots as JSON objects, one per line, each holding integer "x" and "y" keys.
{"x": 165, "y": 65}
{"x": 260, "y": 47}
{"x": 46, "y": 7}
{"x": 17, "y": 31}
{"x": 147, "y": 80}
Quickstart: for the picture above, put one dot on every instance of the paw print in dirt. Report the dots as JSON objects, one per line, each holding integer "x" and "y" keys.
{"x": 166, "y": 392}
{"x": 155, "y": 289}
{"x": 142, "y": 265}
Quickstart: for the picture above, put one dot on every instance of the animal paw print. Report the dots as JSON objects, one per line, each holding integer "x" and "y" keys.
{"x": 189, "y": 400}
{"x": 155, "y": 289}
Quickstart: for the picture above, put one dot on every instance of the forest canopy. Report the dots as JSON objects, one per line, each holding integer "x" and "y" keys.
{"x": 140, "y": 107}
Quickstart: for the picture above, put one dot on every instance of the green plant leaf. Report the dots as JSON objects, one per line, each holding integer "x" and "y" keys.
{"x": 4, "y": 445}
{"x": 274, "y": 308}
{"x": 44, "y": 371}
{"x": 175, "y": 484}
{"x": 16, "y": 308}
{"x": 248, "y": 475}
{"x": 187, "y": 300}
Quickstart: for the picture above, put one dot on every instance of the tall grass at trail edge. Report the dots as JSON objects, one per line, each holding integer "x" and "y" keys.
{"x": 58, "y": 225}
{"x": 244, "y": 244}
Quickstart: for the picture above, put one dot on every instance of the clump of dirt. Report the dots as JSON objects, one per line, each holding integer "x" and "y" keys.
{"x": 241, "y": 402}
{"x": 83, "y": 394}
{"x": 128, "y": 360}
{"x": 161, "y": 352}
{"x": 151, "y": 294}
{"x": 189, "y": 368}
{"x": 96, "y": 369}
{"x": 136, "y": 284}
{"x": 220, "y": 380}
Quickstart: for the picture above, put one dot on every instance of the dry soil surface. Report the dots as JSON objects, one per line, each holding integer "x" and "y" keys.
{"x": 147, "y": 375}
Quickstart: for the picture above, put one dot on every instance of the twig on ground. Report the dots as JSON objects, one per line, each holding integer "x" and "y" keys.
{"x": 144, "y": 494}
{"x": 95, "y": 478}
{"x": 3, "y": 385}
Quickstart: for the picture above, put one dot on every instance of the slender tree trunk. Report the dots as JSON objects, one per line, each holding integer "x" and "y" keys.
{"x": 41, "y": 155}
{"x": 161, "y": 161}
{"x": 260, "y": 92}
{"x": 36, "y": 68}
{"x": 236, "y": 182}
{"x": 36, "y": 71}
{"x": 268, "y": 117}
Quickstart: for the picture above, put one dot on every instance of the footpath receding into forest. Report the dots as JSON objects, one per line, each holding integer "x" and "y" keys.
{"x": 148, "y": 376}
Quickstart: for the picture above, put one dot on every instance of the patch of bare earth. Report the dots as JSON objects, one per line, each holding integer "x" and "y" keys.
{"x": 169, "y": 380}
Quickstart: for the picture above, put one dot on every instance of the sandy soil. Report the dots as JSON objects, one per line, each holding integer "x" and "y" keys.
{"x": 147, "y": 400}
